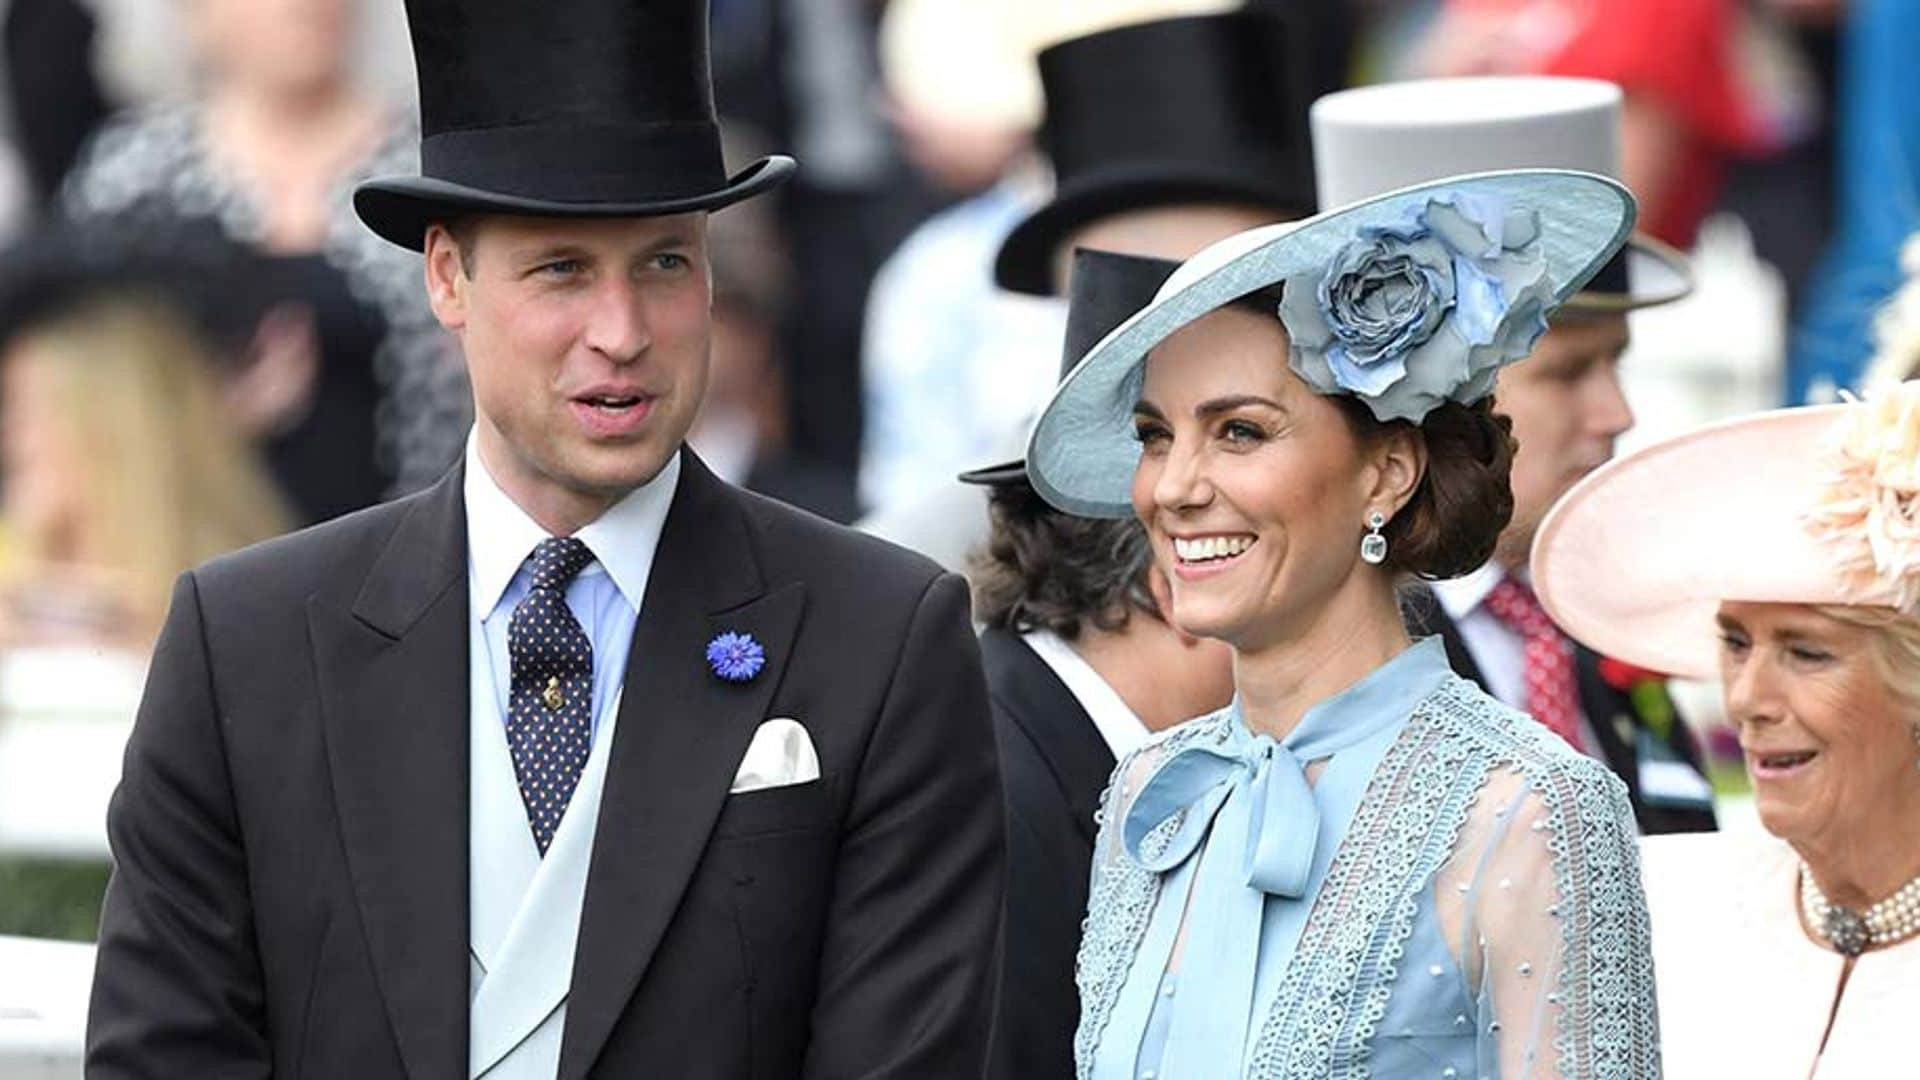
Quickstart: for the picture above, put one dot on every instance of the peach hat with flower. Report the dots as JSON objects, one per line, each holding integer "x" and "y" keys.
{"x": 1817, "y": 505}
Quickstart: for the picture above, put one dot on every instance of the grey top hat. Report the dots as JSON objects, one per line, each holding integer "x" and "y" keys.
{"x": 1376, "y": 139}
{"x": 1405, "y": 300}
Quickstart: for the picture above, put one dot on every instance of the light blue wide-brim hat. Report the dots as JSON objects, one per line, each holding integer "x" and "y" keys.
{"x": 1082, "y": 452}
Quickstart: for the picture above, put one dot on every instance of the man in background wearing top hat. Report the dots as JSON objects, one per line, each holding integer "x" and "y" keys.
{"x": 582, "y": 762}
{"x": 1565, "y": 402}
{"x": 1165, "y": 137}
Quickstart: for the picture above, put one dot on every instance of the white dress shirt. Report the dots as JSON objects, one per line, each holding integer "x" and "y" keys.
{"x": 1118, "y": 726}
{"x": 605, "y": 597}
{"x": 1497, "y": 649}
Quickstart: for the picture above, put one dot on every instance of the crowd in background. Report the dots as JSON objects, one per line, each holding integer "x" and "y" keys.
{"x": 200, "y": 347}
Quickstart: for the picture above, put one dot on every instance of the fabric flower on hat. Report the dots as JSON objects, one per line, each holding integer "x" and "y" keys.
{"x": 1869, "y": 512}
{"x": 1410, "y": 315}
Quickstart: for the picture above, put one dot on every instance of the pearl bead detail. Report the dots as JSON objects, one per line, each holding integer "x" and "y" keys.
{"x": 1892, "y": 920}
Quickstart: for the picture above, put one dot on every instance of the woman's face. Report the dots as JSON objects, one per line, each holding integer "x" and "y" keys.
{"x": 1829, "y": 745}
{"x": 1253, "y": 489}
{"x": 294, "y": 44}
{"x": 39, "y": 465}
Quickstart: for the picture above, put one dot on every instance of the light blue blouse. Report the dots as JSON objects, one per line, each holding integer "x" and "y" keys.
{"x": 1455, "y": 893}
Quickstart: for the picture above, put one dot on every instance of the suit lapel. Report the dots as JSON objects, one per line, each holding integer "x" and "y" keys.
{"x": 681, "y": 734}
{"x": 1035, "y": 699}
{"x": 393, "y": 689}
{"x": 1425, "y": 616}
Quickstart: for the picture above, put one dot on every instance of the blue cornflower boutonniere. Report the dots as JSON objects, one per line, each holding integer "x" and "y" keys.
{"x": 736, "y": 657}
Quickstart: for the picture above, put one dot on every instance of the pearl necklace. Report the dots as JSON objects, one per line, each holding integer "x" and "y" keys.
{"x": 1894, "y": 919}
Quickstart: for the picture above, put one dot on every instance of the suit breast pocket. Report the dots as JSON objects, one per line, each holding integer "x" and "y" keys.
{"x": 795, "y": 808}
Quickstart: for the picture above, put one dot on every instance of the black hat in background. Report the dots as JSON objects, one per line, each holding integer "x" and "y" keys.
{"x": 1107, "y": 289}
{"x": 1199, "y": 109}
{"x": 594, "y": 109}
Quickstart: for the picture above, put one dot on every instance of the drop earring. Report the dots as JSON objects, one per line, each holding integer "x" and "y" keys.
{"x": 1373, "y": 546}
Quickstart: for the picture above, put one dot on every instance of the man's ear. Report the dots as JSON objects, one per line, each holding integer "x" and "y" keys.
{"x": 447, "y": 281}
{"x": 1399, "y": 462}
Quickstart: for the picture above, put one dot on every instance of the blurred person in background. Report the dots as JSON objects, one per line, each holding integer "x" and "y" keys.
{"x": 265, "y": 157}
{"x": 1565, "y": 403}
{"x": 952, "y": 367}
{"x": 1785, "y": 566}
{"x": 122, "y": 467}
{"x": 1877, "y": 203}
{"x": 1164, "y": 137}
{"x": 122, "y": 457}
{"x": 744, "y": 429}
{"x": 1686, "y": 115}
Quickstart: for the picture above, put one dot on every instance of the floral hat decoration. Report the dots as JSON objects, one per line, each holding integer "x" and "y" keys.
{"x": 1405, "y": 301}
{"x": 1825, "y": 502}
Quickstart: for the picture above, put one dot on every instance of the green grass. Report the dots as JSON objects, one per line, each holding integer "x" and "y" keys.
{"x": 48, "y": 898}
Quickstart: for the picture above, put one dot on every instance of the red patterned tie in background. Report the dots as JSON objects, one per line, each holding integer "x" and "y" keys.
{"x": 1553, "y": 695}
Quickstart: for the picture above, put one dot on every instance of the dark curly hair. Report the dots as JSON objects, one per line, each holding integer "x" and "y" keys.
{"x": 1045, "y": 570}
{"x": 1465, "y": 498}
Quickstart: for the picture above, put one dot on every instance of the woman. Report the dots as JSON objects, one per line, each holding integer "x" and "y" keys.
{"x": 1809, "y": 934}
{"x": 1364, "y": 863}
{"x": 267, "y": 157}
{"x": 121, "y": 469}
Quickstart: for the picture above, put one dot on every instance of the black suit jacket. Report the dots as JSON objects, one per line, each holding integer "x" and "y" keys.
{"x": 1054, "y": 765}
{"x": 290, "y": 834}
{"x": 1616, "y": 724}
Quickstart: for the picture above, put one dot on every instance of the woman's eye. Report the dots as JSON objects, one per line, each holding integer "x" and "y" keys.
{"x": 1807, "y": 654}
{"x": 1242, "y": 431}
{"x": 1733, "y": 643}
{"x": 1150, "y": 434}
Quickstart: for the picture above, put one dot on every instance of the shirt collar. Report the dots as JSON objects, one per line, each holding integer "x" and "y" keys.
{"x": 1119, "y": 727}
{"x": 1461, "y": 596}
{"x": 1384, "y": 697}
{"x": 623, "y": 540}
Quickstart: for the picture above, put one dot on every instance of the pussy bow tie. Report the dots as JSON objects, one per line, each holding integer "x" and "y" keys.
{"x": 1276, "y": 814}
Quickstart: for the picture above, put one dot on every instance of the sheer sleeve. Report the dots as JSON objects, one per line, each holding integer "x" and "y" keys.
{"x": 1120, "y": 895}
{"x": 1545, "y": 897}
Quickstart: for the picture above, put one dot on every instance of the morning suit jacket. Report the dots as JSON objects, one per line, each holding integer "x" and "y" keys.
{"x": 291, "y": 831}
{"x": 1054, "y": 765}
{"x": 1610, "y": 715}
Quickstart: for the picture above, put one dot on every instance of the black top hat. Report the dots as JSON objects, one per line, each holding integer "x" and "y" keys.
{"x": 598, "y": 109}
{"x": 1107, "y": 288}
{"x": 1207, "y": 108}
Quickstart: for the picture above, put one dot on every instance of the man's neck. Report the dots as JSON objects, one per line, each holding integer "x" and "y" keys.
{"x": 1154, "y": 671}
{"x": 560, "y": 511}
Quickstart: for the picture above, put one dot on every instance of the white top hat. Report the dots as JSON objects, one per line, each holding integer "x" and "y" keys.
{"x": 1383, "y": 138}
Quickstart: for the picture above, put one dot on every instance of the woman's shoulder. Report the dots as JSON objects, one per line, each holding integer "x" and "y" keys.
{"x": 137, "y": 153}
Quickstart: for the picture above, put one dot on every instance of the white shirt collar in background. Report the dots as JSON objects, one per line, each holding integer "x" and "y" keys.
{"x": 1119, "y": 727}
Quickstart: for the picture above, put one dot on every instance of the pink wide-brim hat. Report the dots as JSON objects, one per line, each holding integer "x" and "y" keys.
{"x": 1636, "y": 559}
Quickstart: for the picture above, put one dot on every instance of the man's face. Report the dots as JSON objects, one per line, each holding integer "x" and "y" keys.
{"x": 587, "y": 343}
{"x": 1567, "y": 409}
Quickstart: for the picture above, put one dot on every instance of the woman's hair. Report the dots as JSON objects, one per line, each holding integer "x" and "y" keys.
{"x": 1896, "y": 640}
{"x": 1464, "y": 499}
{"x": 166, "y": 480}
{"x": 1045, "y": 570}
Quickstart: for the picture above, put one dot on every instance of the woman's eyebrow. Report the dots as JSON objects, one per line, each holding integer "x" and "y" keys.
{"x": 1219, "y": 405}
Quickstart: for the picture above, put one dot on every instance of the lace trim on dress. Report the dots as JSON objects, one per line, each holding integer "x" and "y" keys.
{"x": 1342, "y": 976}
{"x": 1121, "y": 896}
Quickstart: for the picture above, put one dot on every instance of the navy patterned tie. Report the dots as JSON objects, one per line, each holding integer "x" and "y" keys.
{"x": 550, "y": 712}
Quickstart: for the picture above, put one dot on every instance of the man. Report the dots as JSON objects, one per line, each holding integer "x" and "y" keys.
{"x": 1165, "y": 137}
{"x": 582, "y": 762}
{"x": 1565, "y": 403}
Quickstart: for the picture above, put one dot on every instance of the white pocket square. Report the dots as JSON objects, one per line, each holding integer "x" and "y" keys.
{"x": 781, "y": 755}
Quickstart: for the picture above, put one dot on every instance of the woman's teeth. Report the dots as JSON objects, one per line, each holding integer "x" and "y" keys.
{"x": 1209, "y": 548}
{"x": 613, "y": 402}
{"x": 1786, "y": 761}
